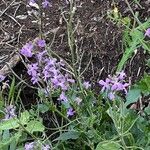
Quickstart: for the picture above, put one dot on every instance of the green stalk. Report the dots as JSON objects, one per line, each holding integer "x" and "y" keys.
{"x": 70, "y": 33}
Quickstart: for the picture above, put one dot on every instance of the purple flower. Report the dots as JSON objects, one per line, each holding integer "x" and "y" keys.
{"x": 32, "y": 1}
{"x": 78, "y": 100}
{"x": 147, "y": 33}
{"x": 86, "y": 84}
{"x": 105, "y": 84}
{"x": 50, "y": 62}
{"x": 71, "y": 80}
{"x": 121, "y": 75}
{"x": 46, "y": 147}
{"x": 2, "y": 78}
{"x": 41, "y": 43}
{"x": 29, "y": 146}
{"x": 63, "y": 97}
{"x": 27, "y": 50}
{"x": 70, "y": 112}
{"x": 33, "y": 71}
{"x": 46, "y": 4}
{"x": 63, "y": 84}
{"x": 10, "y": 112}
{"x": 114, "y": 84}
{"x": 41, "y": 55}
{"x": 66, "y": 1}
{"x": 54, "y": 71}
{"x": 111, "y": 96}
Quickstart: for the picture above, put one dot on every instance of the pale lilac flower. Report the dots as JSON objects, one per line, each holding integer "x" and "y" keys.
{"x": 41, "y": 43}
{"x": 71, "y": 80}
{"x": 54, "y": 71}
{"x": 86, "y": 84}
{"x": 63, "y": 97}
{"x": 147, "y": 33}
{"x": 121, "y": 75}
{"x": 46, "y": 147}
{"x": 2, "y": 78}
{"x": 70, "y": 112}
{"x": 67, "y": 2}
{"x": 111, "y": 96}
{"x": 27, "y": 50}
{"x": 63, "y": 85}
{"x": 105, "y": 84}
{"x": 114, "y": 84}
{"x": 78, "y": 100}
{"x": 32, "y": 1}
{"x": 46, "y": 4}
{"x": 32, "y": 69}
{"x": 33, "y": 72}
{"x": 35, "y": 79}
{"x": 29, "y": 146}
{"x": 50, "y": 62}
{"x": 10, "y": 112}
{"x": 41, "y": 55}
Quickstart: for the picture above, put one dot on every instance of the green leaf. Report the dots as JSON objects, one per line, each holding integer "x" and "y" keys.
{"x": 35, "y": 126}
{"x": 147, "y": 110}
{"x": 7, "y": 142}
{"x": 24, "y": 117}
{"x": 108, "y": 146}
{"x": 133, "y": 96}
{"x": 9, "y": 124}
{"x": 144, "y": 84}
{"x": 43, "y": 108}
{"x": 11, "y": 91}
{"x": 68, "y": 135}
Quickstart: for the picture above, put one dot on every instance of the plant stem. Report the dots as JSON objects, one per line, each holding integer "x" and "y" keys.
{"x": 71, "y": 44}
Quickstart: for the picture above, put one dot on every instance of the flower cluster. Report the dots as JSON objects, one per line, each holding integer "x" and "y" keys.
{"x": 10, "y": 112}
{"x": 45, "y": 3}
{"x": 114, "y": 84}
{"x": 47, "y": 69}
{"x": 33, "y": 145}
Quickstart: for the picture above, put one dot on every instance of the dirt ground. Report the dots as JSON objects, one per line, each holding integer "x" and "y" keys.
{"x": 97, "y": 35}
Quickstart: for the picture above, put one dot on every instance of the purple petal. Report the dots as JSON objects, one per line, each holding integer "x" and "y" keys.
{"x": 147, "y": 33}
{"x": 70, "y": 112}
{"x": 41, "y": 43}
{"x": 2, "y": 78}
{"x": 111, "y": 96}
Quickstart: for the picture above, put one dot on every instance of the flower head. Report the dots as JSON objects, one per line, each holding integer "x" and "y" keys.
{"x": 2, "y": 78}
{"x": 10, "y": 112}
{"x": 29, "y": 146}
{"x": 27, "y": 50}
{"x": 114, "y": 84}
{"x": 78, "y": 100}
{"x": 46, "y": 4}
{"x": 33, "y": 72}
{"x": 105, "y": 84}
{"x": 70, "y": 112}
{"x": 46, "y": 147}
{"x": 86, "y": 84}
{"x": 63, "y": 97}
{"x": 41, "y": 43}
{"x": 147, "y": 33}
{"x": 40, "y": 56}
{"x": 32, "y": 1}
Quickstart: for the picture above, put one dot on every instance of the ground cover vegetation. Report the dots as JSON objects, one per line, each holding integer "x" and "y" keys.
{"x": 73, "y": 82}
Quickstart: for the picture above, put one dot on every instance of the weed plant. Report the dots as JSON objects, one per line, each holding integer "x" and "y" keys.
{"x": 79, "y": 118}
